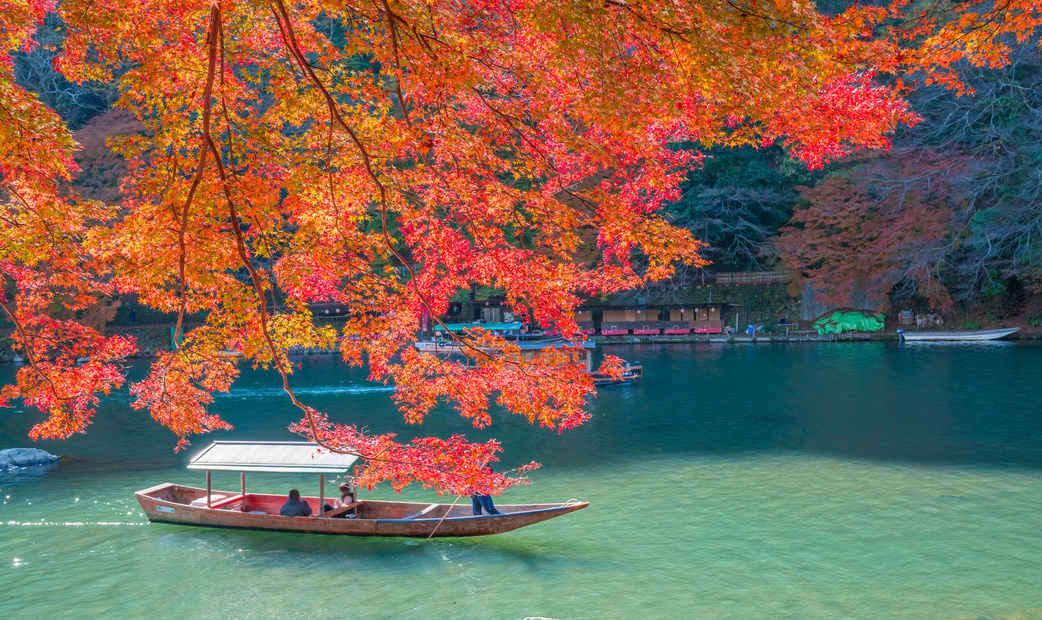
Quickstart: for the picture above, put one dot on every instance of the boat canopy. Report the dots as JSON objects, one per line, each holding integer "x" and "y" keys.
{"x": 272, "y": 456}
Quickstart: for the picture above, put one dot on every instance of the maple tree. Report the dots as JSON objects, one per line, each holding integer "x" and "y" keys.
{"x": 885, "y": 223}
{"x": 996, "y": 133}
{"x": 385, "y": 155}
{"x": 948, "y": 216}
{"x": 946, "y": 35}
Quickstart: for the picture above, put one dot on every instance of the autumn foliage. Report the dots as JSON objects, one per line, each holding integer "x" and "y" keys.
{"x": 883, "y": 223}
{"x": 386, "y": 155}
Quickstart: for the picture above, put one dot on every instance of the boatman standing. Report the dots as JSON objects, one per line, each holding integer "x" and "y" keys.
{"x": 479, "y": 501}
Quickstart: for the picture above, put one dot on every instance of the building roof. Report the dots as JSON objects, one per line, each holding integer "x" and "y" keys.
{"x": 272, "y": 456}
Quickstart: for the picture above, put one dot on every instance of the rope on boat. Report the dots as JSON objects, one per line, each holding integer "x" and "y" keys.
{"x": 572, "y": 502}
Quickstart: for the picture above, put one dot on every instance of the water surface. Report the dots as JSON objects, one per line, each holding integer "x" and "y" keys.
{"x": 845, "y": 480}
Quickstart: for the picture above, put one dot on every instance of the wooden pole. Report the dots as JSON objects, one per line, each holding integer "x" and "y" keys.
{"x": 321, "y": 494}
{"x": 443, "y": 517}
{"x": 207, "y": 488}
{"x": 242, "y": 490}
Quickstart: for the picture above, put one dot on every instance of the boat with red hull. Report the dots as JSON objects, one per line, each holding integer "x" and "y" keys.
{"x": 172, "y": 503}
{"x": 185, "y": 505}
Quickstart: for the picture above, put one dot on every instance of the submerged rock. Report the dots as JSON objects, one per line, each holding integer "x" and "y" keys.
{"x": 25, "y": 457}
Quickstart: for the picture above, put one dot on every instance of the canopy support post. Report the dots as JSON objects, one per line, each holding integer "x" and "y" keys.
{"x": 321, "y": 494}
{"x": 207, "y": 488}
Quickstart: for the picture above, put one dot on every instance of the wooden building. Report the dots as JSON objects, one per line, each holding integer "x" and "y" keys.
{"x": 703, "y": 319}
{"x": 584, "y": 319}
{"x": 707, "y": 320}
{"x": 622, "y": 322}
{"x": 679, "y": 321}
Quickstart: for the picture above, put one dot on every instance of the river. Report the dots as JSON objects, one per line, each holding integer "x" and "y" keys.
{"x": 831, "y": 480}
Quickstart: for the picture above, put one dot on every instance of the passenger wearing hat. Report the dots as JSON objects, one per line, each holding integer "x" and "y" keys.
{"x": 347, "y": 497}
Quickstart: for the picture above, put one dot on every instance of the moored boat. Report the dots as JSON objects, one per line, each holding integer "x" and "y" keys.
{"x": 533, "y": 347}
{"x": 630, "y": 373}
{"x": 185, "y": 505}
{"x": 983, "y": 334}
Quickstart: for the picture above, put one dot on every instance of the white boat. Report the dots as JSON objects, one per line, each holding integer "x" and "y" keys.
{"x": 982, "y": 334}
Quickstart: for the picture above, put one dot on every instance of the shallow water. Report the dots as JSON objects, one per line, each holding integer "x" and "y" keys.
{"x": 847, "y": 480}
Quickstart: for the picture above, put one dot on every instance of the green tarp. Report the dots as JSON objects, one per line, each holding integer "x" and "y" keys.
{"x": 838, "y": 322}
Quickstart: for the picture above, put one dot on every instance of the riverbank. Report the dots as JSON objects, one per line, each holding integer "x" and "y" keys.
{"x": 770, "y": 338}
{"x": 153, "y": 339}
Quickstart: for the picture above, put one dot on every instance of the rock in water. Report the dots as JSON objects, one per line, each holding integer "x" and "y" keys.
{"x": 25, "y": 457}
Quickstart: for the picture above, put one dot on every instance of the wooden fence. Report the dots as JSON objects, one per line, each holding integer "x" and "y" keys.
{"x": 725, "y": 278}
{"x": 746, "y": 278}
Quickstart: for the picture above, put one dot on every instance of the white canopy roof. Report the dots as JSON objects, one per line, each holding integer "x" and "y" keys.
{"x": 272, "y": 456}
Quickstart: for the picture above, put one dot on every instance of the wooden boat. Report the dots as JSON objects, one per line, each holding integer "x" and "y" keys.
{"x": 984, "y": 334}
{"x": 531, "y": 348}
{"x": 631, "y": 372}
{"x": 185, "y": 505}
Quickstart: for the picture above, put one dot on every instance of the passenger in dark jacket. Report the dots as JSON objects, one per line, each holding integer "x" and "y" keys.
{"x": 294, "y": 506}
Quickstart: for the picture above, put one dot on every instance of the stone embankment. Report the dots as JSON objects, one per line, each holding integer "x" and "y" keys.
{"x": 769, "y": 338}
{"x": 743, "y": 338}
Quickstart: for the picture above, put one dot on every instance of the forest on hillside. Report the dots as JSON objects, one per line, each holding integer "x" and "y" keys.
{"x": 948, "y": 219}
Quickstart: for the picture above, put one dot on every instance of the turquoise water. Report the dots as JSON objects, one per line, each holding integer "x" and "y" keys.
{"x": 804, "y": 481}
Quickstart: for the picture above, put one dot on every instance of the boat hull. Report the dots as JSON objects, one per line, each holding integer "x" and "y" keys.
{"x": 987, "y": 334}
{"x": 170, "y": 503}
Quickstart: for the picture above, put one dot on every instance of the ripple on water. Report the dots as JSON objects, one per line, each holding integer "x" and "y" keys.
{"x": 757, "y": 536}
{"x": 795, "y": 482}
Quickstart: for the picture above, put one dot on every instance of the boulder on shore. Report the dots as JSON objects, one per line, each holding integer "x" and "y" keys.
{"x": 25, "y": 457}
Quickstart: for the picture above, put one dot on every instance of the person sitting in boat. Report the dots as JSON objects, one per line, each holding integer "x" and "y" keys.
{"x": 479, "y": 501}
{"x": 294, "y": 506}
{"x": 347, "y": 497}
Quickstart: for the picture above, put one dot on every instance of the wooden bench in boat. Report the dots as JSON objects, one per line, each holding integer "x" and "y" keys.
{"x": 422, "y": 512}
{"x": 341, "y": 510}
{"x": 217, "y": 501}
{"x": 225, "y": 502}
{"x": 200, "y": 502}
